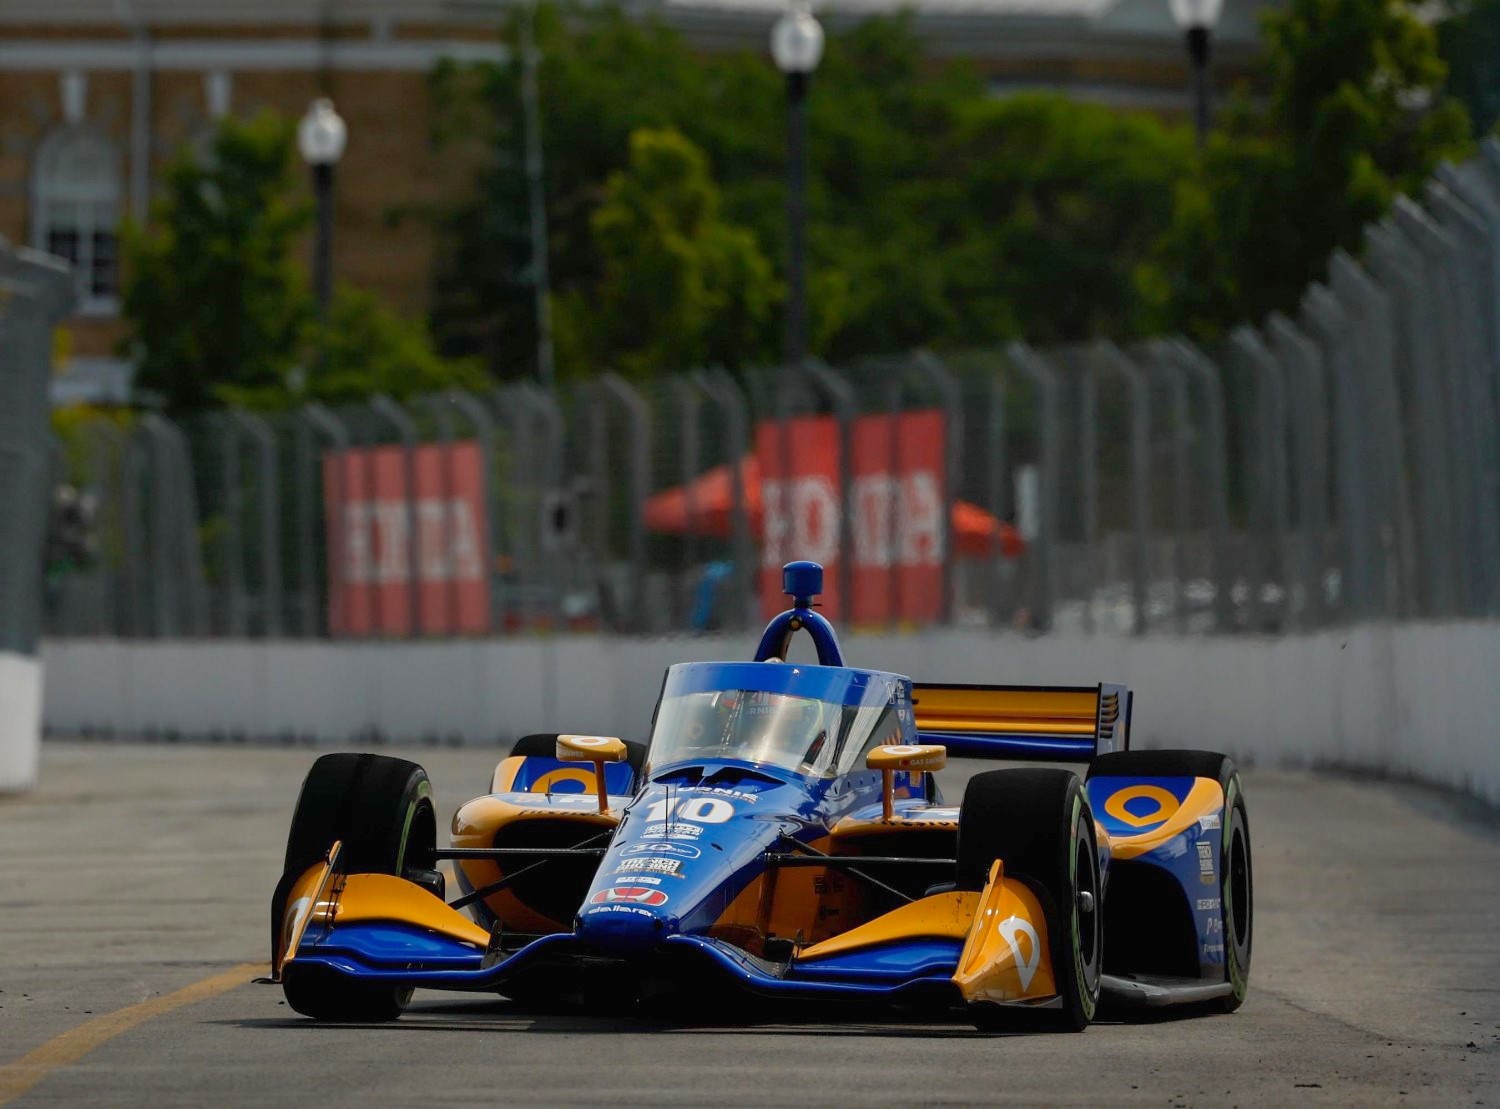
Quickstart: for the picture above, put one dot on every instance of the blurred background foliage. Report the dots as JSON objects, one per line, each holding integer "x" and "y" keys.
{"x": 941, "y": 214}
{"x": 219, "y": 308}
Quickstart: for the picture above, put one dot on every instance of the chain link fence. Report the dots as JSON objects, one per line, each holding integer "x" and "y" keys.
{"x": 35, "y": 293}
{"x": 1334, "y": 465}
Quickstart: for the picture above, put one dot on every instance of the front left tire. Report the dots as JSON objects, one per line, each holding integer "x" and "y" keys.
{"x": 380, "y": 809}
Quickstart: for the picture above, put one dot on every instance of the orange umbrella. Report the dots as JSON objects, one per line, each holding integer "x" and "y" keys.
{"x": 983, "y": 534}
{"x": 703, "y": 507}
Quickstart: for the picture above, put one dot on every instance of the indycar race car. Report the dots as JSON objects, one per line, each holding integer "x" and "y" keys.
{"x": 783, "y": 835}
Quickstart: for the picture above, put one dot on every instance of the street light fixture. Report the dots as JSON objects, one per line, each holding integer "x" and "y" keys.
{"x": 321, "y": 137}
{"x": 797, "y": 48}
{"x": 1197, "y": 18}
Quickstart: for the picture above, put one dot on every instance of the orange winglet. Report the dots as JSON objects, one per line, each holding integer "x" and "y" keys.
{"x": 308, "y": 896}
{"x": 1006, "y": 956}
{"x": 944, "y": 915}
{"x": 386, "y": 897}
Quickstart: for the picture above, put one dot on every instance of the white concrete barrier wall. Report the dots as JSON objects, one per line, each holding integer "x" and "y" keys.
{"x": 20, "y": 720}
{"x": 1411, "y": 699}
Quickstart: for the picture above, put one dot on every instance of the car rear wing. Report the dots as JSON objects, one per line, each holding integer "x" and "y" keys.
{"x": 1044, "y": 723}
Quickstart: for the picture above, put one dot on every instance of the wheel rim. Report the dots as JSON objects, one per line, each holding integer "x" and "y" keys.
{"x": 1237, "y": 891}
{"x": 1086, "y": 930}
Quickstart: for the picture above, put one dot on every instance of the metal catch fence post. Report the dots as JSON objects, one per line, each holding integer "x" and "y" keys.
{"x": 1216, "y": 479}
{"x": 483, "y": 430}
{"x": 107, "y": 445}
{"x": 1307, "y": 396}
{"x": 721, "y": 387}
{"x": 1401, "y": 270}
{"x": 688, "y": 405}
{"x": 1265, "y": 471}
{"x": 1458, "y": 433}
{"x": 441, "y": 559}
{"x": 942, "y": 382}
{"x": 613, "y": 389}
{"x": 1471, "y": 270}
{"x": 36, "y": 291}
{"x": 534, "y": 468}
{"x": 406, "y": 431}
{"x": 1382, "y": 466}
{"x": 1332, "y": 326}
{"x": 999, "y": 498}
{"x": 1049, "y": 479}
{"x": 248, "y": 426}
{"x": 840, "y": 396}
{"x": 177, "y": 591}
{"x": 314, "y": 420}
{"x": 1477, "y": 184}
{"x": 1161, "y": 361}
{"x": 1109, "y": 356}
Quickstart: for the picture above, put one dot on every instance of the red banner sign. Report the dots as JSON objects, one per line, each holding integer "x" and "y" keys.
{"x": 897, "y": 501}
{"x": 375, "y": 535}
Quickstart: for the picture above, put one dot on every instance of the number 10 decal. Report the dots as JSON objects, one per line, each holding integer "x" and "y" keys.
{"x": 700, "y": 810}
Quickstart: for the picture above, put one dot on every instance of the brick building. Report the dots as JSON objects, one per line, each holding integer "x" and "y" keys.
{"x": 97, "y": 95}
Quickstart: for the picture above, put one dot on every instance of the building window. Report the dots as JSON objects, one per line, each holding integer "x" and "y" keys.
{"x": 76, "y": 212}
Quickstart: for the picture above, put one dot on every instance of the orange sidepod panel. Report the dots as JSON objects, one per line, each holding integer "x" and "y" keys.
{"x": 1006, "y": 956}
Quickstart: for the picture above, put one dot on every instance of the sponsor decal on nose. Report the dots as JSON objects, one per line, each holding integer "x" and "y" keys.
{"x": 630, "y": 895}
{"x": 663, "y": 847}
{"x": 650, "y": 865}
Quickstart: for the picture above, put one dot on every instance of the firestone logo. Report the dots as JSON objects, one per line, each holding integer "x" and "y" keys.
{"x": 634, "y": 895}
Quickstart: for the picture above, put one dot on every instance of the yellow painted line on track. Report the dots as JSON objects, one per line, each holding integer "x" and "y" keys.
{"x": 19, "y": 1077}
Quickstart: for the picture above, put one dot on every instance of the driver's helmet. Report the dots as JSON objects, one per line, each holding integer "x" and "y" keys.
{"x": 712, "y": 728}
{"x": 799, "y": 728}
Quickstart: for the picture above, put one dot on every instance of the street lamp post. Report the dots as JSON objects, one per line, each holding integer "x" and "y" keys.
{"x": 1196, "y": 18}
{"x": 536, "y": 199}
{"x": 797, "y": 47}
{"x": 321, "y": 137}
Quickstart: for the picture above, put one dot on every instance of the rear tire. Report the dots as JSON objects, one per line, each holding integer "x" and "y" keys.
{"x": 380, "y": 810}
{"x": 1236, "y": 875}
{"x": 1039, "y": 824}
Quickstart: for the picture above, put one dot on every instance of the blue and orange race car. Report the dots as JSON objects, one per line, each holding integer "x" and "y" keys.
{"x": 783, "y": 834}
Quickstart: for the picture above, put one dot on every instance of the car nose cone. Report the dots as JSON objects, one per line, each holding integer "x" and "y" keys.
{"x": 625, "y": 920}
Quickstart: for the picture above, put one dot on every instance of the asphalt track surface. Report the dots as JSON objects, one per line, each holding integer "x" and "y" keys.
{"x": 136, "y": 872}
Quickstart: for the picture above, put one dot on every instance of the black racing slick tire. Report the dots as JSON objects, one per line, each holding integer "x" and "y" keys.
{"x": 381, "y": 810}
{"x": 1039, "y": 824}
{"x": 1236, "y": 875}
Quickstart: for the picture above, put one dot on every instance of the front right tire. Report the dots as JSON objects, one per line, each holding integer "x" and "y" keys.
{"x": 1039, "y": 824}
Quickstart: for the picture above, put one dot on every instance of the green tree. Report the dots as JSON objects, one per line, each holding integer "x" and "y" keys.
{"x": 679, "y": 286}
{"x": 1470, "y": 42}
{"x": 1054, "y": 215}
{"x": 367, "y": 348}
{"x": 937, "y": 213}
{"x": 604, "y": 76}
{"x": 1355, "y": 115}
{"x": 212, "y": 294}
{"x": 218, "y": 308}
